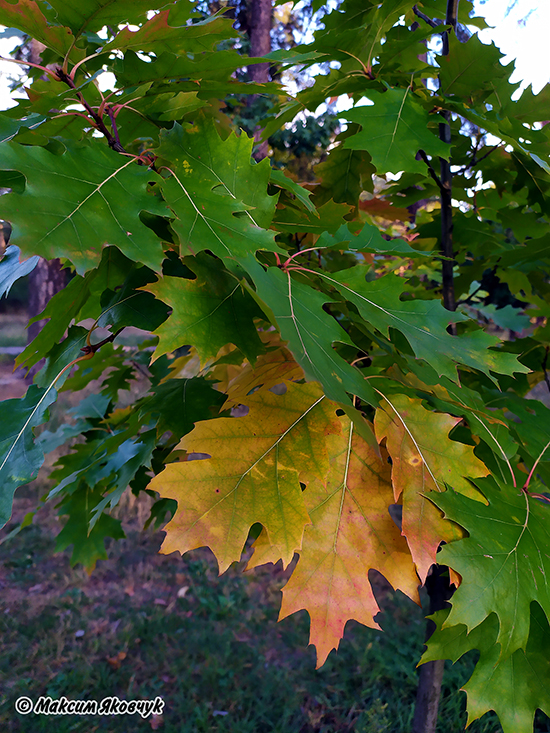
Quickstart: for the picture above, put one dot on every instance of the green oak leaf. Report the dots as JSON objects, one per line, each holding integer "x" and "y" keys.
{"x": 20, "y": 457}
{"x": 301, "y": 193}
{"x": 423, "y": 323}
{"x": 522, "y": 677}
{"x": 129, "y": 306}
{"x": 76, "y": 203}
{"x": 344, "y": 174}
{"x": 393, "y": 130}
{"x": 88, "y": 545}
{"x": 218, "y": 195}
{"x": 10, "y": 127}
{"x": 208, "y": 312}
{"x": 470, "y": 69}
{"x": 120, "y": 468}
{"x": 60, "y": 355}
{"x": 166, "y": 32}
{"x": 367, "y": 239}
{"x": 180, "y": 403}
{"x": 93, "y": 15}
{"x": 329, "y": 217}
{"x": 297, "y": 311}
{"x": 504, "y": 562}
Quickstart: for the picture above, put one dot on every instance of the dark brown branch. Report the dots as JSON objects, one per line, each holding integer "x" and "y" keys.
{"x": 424, "y": 17}
{"x": 114, "y": 128}
{"x": 92, "y": 348}
{"x": 113, "y": 142}
{"x": 431, "y": 169}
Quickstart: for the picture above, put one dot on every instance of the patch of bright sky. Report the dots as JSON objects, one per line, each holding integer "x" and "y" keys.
{"x": 520, "y": 31}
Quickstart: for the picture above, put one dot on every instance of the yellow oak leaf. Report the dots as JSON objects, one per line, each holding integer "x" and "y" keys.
{"x": 351, "y": 532}
{"x": 270, "y": 369}
{"x": 424, "y": 459}
{"x": 254, "y": 473}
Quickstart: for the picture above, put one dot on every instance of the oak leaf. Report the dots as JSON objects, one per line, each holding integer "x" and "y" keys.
{"x": 351, "y": 532}
{"x": 424, "y": 459}
{"x": 254, "y": 474}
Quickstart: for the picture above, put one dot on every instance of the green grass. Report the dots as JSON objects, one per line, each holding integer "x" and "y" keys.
{"x": 216, "y": 656}
{"x": 13, "y": 329}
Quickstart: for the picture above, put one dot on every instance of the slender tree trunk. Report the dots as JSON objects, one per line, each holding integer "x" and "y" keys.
{"x": 260, "y": 18}
{"x": 437, "y": 584}
{"x": 430, "y": 674}
{"x": 259, "y": 32}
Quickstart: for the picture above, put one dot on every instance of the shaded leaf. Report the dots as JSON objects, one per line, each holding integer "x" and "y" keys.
{"x": 20, "y": 457}
{"x": 504, "y": 562}
{"x": 88, "y": 545}
{"x": 208, "y": 312}
{"x": 521, "y": 677}
{"x": 179, "y": 403}
{"x": 302, "y": 194}
{"x": 393, "y": 130}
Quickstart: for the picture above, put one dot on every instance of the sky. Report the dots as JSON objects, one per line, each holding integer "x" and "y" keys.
{"x": 520, "y": 30}
{"x": 522, "y": 34}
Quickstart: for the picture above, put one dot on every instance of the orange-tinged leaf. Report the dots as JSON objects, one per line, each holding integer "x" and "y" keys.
{"x": 424, "y": 459}
{"x": 351, "y": 532}
{"x": 253, "y": 476}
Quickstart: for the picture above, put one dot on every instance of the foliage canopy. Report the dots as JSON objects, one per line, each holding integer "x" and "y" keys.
{"x": 375, "y": 423}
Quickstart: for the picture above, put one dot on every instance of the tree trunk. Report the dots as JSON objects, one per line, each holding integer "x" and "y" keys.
{"x": 259, "y": 33}
{"x": 430, "y": 674}
{"x": 437, "y": 584}
{"x": 260, "y": 19}
{"x": 45, "y": 281}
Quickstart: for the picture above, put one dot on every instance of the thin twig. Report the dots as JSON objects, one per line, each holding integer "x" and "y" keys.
{"x": 424, "y": 17}
{"x": 92, "y": 348}
{"x": 114, "y": 128}
{"x": 431, "y": 169}
{"x": 475, "y": 160}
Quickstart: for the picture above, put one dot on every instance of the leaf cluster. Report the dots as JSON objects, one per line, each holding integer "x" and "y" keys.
{"x": 299, "y": 379}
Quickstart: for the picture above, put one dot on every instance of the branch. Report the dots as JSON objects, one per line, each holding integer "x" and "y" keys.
{"x": 112, "y": 140}
{"x": 90, "y": 349}
{"x": 424, "y": 17}
{"x": 431, "y": 169}
{"x": 475, "y": 161}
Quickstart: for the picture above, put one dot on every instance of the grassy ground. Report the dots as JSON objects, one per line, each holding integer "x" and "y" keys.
{"x": 213, "y": 652}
